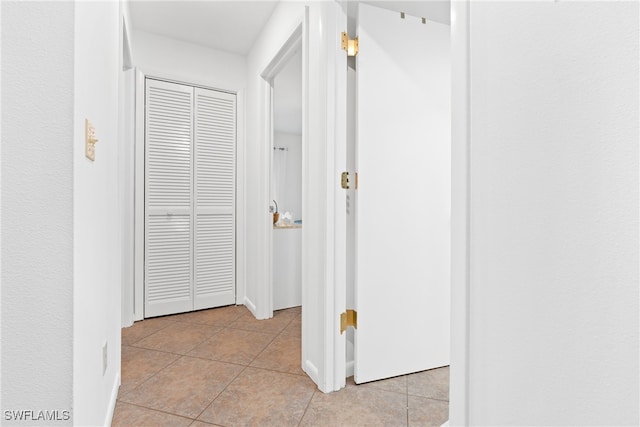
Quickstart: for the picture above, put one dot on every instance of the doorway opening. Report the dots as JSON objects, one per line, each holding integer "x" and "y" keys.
{"x": 283, "y": 139}
{"x": 286, "y": 184}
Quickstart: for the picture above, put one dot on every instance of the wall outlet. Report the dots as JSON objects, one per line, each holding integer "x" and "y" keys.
{"x": 104, "y": 358}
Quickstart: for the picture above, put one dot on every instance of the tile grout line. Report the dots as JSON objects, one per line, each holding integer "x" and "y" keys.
{"x": 270, "y": 342}
{"x": 263, "y": 350}
{"x": 196, "y": 357}
{"x": 181, "y": 354}
{"x": 146, "y": 336}
{"x": 278, "y": 372}
{"x": 314, "y": 391}
{"x": 161, "y": 411}
{"x": 406, "y": 385}
{"x": 151, "y": 376}
{"x": 267, "y": 346}
{"x": 214, "y": 360}
{"x": 219, "y": 394}
{"x": 430, "y": 398}
{"x": 244, "y": 367}
{"x": 307, "y": 407}
{"x": 283, "y": 332}
{"x": 239, "y": 373}
{"x": 174, "y": 322}
{"x": 133, "y": 345}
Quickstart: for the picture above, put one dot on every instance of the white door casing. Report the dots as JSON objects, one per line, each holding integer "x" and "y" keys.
{"x": 403, "y": 198}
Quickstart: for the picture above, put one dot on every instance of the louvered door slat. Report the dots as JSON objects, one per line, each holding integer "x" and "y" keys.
{"x": 215, "y": 145}
{"x": 215, "y": 266}
{"x": 168, "y": 196}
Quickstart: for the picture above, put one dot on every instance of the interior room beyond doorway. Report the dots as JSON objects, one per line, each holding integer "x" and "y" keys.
{"x": 286, "y": 184}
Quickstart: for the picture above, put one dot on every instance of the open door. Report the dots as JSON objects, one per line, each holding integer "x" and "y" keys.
{"x": 402, "y": 271}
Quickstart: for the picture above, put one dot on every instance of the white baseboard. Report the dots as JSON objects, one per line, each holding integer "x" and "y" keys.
{"x": 251, "y": 306}
{"x": 112, "y": 402}
{"x": 311, "y": 370}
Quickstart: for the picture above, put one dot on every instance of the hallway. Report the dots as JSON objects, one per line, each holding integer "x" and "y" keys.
{"x": 222, "y": 367}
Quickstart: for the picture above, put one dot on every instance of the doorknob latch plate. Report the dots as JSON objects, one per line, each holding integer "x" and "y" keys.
{"x": 348, "y": 318}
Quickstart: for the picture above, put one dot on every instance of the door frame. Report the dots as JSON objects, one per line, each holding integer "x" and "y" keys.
{"x": 293, "y": 43}
{"x": 139, "y": 176}
{"x": 324, "y": 129}
{"x": 126, "y": 181}
{"x": 460, "y": 211}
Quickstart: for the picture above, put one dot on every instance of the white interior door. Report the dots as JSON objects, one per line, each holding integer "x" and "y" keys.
{"x": 403, "y": 198}
{"x": 215, "y": 198}
{"x": 168, "y": 198}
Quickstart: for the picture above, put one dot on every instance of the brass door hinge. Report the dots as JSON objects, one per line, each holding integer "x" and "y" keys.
{"x": 348, "y": 318}
{"x": 344, "y": 180}
{"x": 351, "y": 46}
{"x": 356, "y": 180}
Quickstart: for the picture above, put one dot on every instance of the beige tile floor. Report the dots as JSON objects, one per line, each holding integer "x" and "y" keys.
{"x": 222, "y": 367}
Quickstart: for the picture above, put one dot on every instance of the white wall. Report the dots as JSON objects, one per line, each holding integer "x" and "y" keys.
{"x": 287, "y": 268}
{"x": 554, "y": 213}
{"x": 286, "y": 174}
{"x": 161, "y": 56}
{"x": 96, "y": 213}
{"x": 60, "y": 212}
{"x": 37, "y": 207}
{"x": 287, "y": 96}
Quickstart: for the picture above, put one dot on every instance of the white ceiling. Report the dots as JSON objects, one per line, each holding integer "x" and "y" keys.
{"x": 232, "y": 26}
{"x": 287, "y": 97}
{"x": 433, "y": 10}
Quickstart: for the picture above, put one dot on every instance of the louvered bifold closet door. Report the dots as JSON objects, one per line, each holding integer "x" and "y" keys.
{"x": 168, "y": 198}
{"x": 215, "y": 175}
